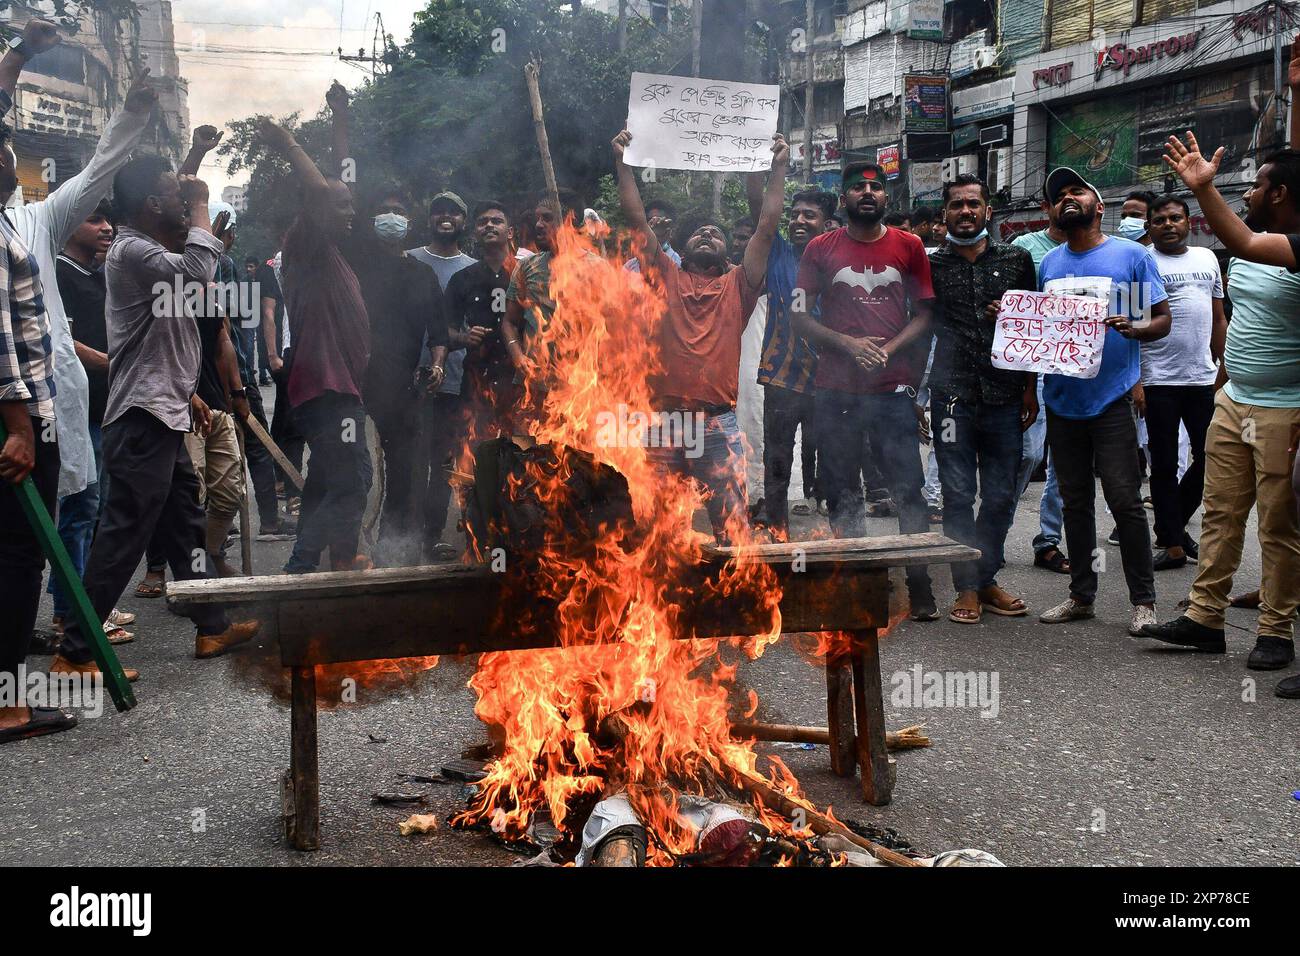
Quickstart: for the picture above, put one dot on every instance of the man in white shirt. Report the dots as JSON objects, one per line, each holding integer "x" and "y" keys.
{"x": 1178, "y": 375}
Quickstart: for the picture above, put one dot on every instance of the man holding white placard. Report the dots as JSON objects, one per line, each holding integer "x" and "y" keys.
{"x": 1090, "y": 421}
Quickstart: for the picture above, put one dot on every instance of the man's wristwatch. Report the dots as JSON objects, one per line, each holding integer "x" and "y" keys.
{"x": 19, "y": 45}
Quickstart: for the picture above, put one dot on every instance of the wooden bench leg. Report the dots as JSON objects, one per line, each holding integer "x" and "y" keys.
{"x": 869, "y": 706}
{"x": 303, "y": 767}
{"x": 839, "y": 714}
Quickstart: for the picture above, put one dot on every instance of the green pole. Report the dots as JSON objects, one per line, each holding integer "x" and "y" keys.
{"x": 119, "y": 688}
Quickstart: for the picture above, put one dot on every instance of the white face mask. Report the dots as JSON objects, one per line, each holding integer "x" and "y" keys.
{"x": 391, "y": 227}
{"x": 1131, "y": 227}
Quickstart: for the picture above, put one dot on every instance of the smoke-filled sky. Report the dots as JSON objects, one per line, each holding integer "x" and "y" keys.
{"x": 273, "y": 56}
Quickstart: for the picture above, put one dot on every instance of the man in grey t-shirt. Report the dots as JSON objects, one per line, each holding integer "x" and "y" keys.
{"x": 1178, "y": 374}
{"x": 448, "y": 215}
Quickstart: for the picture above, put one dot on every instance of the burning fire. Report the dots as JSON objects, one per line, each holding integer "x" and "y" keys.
{"x": 625, "y": 705}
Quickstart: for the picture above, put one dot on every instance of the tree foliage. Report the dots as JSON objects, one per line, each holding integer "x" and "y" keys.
{"x": 453, "y": 111}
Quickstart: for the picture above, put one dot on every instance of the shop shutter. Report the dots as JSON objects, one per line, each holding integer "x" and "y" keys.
{"x": 857, "y": 61}
{"x": 1069, "y": 22}
{"x": 1154, "y": 11}
{"x": 1020, "y": 29}
{"x": 1112, "y": 15}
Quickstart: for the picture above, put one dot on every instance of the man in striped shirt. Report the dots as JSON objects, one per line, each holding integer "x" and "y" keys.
{"x": 787, "y": 365}
{"x": 30, "y": 449}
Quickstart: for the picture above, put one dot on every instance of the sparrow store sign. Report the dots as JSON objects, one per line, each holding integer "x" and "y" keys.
{"x": 1123, "y": 57}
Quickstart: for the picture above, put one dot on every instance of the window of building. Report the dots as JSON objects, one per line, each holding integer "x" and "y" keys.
{"x": 828, "y": 104}
{"x": 961, "y": 18}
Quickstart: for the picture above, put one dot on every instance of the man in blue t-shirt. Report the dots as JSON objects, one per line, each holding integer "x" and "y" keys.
{"x": 1090, "y": 421}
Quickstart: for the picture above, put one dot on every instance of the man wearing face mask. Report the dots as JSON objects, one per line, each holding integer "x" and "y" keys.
{"x": 978, "y": 411}
{"x": 404, "y": 302}
{"x": 1133, "y": 217}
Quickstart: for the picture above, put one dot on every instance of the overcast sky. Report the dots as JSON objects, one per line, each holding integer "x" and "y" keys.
{"x": 231, "y": 52}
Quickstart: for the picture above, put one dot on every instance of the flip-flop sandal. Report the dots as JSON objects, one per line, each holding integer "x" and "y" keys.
{"x": 1058, "y": 562}
{"x": 43, "y": 720}
{"x": 958, "y": 614}
{"x": 147, "y": 589}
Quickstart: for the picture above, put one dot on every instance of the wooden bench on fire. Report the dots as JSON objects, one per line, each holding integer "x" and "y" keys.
{"x": 837, "y": 586}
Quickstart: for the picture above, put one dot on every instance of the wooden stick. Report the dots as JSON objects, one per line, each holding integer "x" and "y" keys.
{"x": 819, "y": 822}
{"x": 531, "y": 71}
{"x": 905, "y": 739}
{"x": 245, "y": 520}
{"x": 256, "y": 428}
{"x": 83, "y": 612}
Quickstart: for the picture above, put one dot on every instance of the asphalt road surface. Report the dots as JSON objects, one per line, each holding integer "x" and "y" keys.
{"x": 1098, "y": 748}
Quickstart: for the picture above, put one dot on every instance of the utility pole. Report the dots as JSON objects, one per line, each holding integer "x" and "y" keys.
{"x": 809, "y": 16}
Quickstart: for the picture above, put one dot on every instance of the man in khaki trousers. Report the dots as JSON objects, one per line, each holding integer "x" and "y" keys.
{"x": 1248, "y": 462}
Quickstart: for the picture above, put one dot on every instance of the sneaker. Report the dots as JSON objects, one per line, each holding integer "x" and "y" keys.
{"x": 1271, "y": 654}
{"x": 1289, "y": 689}
{"x": 1067, "y": 610}
{"x": 1143, "y": 614}
{"x": 119, "y": 619}
{"x": 1184, "y": 632}
{"x": 1113, "y": 537}
{"x": 214, "y": 645}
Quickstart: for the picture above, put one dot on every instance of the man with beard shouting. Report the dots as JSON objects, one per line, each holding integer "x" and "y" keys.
{"x": 873, "y": 283}
{"x": 709, "y": 302}
{"x": 1090, "y": 421}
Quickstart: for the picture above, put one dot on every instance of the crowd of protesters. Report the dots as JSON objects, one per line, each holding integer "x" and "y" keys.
{"x": 139, "y": 417}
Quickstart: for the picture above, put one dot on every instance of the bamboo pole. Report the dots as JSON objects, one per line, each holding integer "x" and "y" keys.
{"x": 905, "y": 739}
{"x": 531, "y": 73}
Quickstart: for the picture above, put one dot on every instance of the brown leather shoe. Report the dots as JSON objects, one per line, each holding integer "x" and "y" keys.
{"x": 214, "y": 645}
{"x": 61, "y": 665}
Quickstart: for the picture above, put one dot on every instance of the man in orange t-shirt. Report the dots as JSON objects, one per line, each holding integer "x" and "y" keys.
{"x": 709, "y": 304}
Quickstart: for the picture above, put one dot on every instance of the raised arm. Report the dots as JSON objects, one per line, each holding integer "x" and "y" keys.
{"x": 38, "y": 36}
{"x": 1197, "y": 172}
{"x": 69, "y": 205}
{"x": 769, "y": 216}
{"x": 280, "y": 140}
{"x": 629, "y": 197}
{"x": 202, "y": 142}
{"x": 337, "y": 98}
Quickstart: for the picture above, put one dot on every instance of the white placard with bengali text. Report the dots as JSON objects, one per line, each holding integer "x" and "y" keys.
{"x": 1044, "y": 332}
{"x": 688, "y": 122}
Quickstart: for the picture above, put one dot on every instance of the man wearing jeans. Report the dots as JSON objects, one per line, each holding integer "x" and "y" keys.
{"x": 1033, "y": 450}
{"x": 709, "y": 301}
{"x": 1090, "y": 421}
{"x": 1178, "y": 375}
{"x": 977, "y": 412}
{"x": 873, "y": 286}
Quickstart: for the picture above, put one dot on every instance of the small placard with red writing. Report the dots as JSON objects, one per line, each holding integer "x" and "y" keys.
{"x": 1046, "y": 333}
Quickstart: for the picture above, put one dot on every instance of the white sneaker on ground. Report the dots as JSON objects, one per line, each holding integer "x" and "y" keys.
{"x": 120, "y": 618}
{"x": 1142, "y": 614}
{"x": 1067, "y": 610}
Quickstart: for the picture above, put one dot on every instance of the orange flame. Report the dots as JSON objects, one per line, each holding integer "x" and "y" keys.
{"x": 621, "y": 650}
